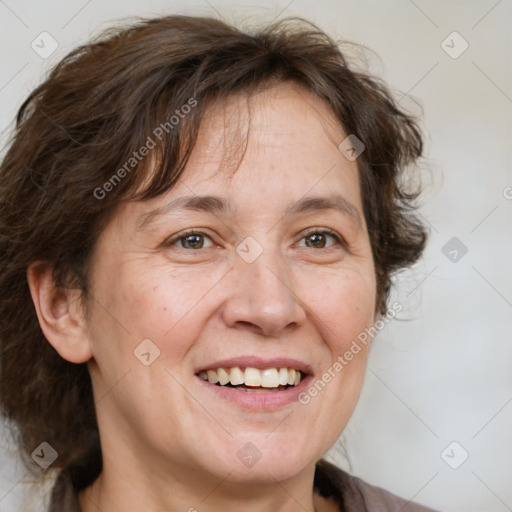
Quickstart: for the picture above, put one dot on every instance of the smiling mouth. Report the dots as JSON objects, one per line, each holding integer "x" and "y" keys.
{"x": 253, "y": 380}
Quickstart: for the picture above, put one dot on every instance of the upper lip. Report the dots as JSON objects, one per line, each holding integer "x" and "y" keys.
{"x": 257, "y": 362}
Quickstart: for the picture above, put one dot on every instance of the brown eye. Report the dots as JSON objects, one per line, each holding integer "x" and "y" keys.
{"x": 191, "y": 240}
{"x": 316, "y": 240}
{"x": 320, "y": 239}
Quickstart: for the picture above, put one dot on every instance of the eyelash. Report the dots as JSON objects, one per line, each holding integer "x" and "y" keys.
{"x": 313, "y": 231}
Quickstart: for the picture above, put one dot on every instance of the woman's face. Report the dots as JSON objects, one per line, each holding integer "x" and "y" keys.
{"x": 235, "y": 270}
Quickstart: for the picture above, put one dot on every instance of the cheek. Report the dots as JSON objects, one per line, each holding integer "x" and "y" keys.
{"x": 341, "y": 308}
{"x": 168, "y": 308}
{"x": 344, "y": 304}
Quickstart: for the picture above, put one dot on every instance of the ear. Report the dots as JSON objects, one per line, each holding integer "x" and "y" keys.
{"x": 60, "y": 313}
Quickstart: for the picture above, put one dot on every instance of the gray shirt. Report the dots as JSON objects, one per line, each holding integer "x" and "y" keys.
{"x": 351, "y": 494}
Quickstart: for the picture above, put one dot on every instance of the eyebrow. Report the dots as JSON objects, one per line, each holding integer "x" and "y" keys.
{"x": 209, "y": 204}
{"x": 221, "y": 206}
{"x": 312, "y": 204}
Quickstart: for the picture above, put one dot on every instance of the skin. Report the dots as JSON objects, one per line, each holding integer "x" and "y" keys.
{"x": 166, "y": 444}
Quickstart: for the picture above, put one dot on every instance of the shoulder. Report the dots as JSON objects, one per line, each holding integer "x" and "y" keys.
{"x": 355, "y": 495}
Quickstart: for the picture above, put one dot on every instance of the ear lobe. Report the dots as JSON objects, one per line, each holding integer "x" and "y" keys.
{"x": 59, "y": 313}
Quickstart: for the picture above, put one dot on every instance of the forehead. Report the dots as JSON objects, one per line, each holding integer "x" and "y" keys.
{"x": 280, "y": 133}
{"x": 268, "y": 119}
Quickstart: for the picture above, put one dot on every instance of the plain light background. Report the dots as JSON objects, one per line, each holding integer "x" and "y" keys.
{"x": 444, "y": 374}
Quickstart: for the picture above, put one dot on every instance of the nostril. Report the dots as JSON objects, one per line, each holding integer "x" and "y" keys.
{"x": 253, "y": 328}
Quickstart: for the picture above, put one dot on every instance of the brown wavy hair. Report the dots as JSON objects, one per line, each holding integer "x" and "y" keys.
{"x": 96, "y": 108}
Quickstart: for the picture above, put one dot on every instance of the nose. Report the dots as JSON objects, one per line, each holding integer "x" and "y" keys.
{"x": 263, "y": 299}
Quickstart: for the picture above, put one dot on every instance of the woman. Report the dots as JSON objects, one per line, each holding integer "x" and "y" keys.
{"x": 197, "y": 224}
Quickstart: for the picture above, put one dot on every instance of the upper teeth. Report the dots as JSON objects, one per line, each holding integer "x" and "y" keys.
{"x": 267, "y": 378}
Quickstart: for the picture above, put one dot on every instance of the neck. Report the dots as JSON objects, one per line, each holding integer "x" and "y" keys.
{"x": 190, "y": 490}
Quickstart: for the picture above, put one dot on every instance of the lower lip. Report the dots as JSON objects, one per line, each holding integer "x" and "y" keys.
{"x": 260, "y": 401}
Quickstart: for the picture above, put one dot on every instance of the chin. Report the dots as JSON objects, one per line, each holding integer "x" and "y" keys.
{"x": 270, "y": 460}
{"x": 264, "y": 473}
